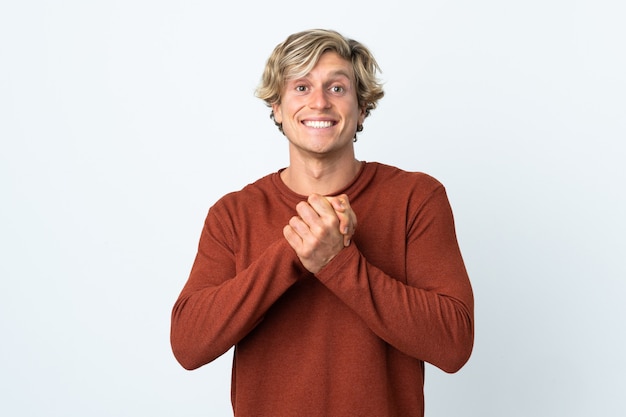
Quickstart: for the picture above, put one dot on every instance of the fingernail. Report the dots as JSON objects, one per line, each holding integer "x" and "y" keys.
{"x": 345, "y": 230}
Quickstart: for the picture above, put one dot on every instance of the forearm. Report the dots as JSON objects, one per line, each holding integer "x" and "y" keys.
{"x": 433, "y": 326}
{"x": 209, "y": 317}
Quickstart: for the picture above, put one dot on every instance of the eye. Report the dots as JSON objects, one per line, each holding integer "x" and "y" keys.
{"x": 337, "y": 89}
{"x": 301, "y": 88}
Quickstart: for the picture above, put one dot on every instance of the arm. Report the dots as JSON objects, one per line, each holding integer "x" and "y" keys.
{"x": 428, "y": 317}
{"x": 218, "y": 306}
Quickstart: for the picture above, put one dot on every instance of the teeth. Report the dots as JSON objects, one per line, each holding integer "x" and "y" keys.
{"x": 318, "y": 124}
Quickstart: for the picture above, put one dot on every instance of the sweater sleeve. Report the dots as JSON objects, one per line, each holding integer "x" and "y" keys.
{"x": 219, "y": 305}
{"x": 428, "y": 316}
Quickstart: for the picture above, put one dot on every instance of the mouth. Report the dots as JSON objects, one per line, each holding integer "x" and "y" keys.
{"x": 318, "y": 124}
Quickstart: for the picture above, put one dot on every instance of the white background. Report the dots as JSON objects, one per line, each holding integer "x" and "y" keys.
{"x": 121, "y": 122}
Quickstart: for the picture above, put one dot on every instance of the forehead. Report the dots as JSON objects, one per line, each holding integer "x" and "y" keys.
{"x": 329, "y": 64}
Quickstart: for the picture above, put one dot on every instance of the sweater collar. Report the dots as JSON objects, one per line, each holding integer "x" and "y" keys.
{"x": 352, "y": 189}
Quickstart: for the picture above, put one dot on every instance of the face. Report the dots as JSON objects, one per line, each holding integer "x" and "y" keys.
{"x": 320, "y": 112}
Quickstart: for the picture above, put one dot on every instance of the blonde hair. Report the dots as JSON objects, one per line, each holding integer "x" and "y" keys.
{"x": 299, "y": 53}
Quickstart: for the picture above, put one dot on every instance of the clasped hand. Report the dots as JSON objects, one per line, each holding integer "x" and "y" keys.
{"x": 323, "y": 227}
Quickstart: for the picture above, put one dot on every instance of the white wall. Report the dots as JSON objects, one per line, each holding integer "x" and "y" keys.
{"x": 121, "y": 122}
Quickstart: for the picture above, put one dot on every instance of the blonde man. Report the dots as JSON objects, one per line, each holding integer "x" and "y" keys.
{"x": 329, "y": 316}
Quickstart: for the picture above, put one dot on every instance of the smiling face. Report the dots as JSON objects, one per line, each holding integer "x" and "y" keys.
{"x": 320, "y": 112}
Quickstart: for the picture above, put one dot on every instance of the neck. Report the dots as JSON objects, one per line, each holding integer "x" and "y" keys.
{"x": 319, "y": 176}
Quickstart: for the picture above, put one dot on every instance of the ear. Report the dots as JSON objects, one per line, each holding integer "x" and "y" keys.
{"x": 278, "y": 115}
{"x": 362, "y": 113}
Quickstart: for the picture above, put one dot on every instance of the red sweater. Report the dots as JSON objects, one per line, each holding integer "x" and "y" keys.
{"x": 348, "y": 341}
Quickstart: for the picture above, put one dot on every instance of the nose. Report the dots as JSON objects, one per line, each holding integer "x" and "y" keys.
{"x": 318, "y": 99}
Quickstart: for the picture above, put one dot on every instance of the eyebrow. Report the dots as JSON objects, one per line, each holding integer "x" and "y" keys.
{"x": 332, "y": 74}
{"x": 340, "y": 73}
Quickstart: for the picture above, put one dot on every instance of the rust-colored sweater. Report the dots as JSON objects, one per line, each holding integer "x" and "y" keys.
{"x": 348, "y": 341}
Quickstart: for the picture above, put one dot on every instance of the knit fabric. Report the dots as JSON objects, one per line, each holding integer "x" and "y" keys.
{"x": 350, "y": 340}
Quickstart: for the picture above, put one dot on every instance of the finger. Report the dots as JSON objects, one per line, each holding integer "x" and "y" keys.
{"x": 346, "y": 228}
{"x": 296, "y": 233}
{"x": 321, "y": 205}
{"x": 318, "y": 214}
{"x": 339, "y": 203}
{"x": 345, "y": 223}
{"x": 345, "y": 202}
{"x": 307, "y": 215}
{"x": 345, "y": 214}
{"x": 300, "y": 228}
{"x": 291, "y": 236}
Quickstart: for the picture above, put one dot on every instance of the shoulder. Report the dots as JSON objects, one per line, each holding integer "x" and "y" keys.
{"x": 239, "y": 200}
{"x": 396, "y": 188}
{"x": 400, "y": 178}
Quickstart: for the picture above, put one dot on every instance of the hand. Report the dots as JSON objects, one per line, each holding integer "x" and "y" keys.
{"x": 347, "y": 217}
{"x": 315, "y": 232}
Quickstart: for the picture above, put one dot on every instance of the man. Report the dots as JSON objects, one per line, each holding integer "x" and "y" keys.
{"x": 334, "y": 279}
